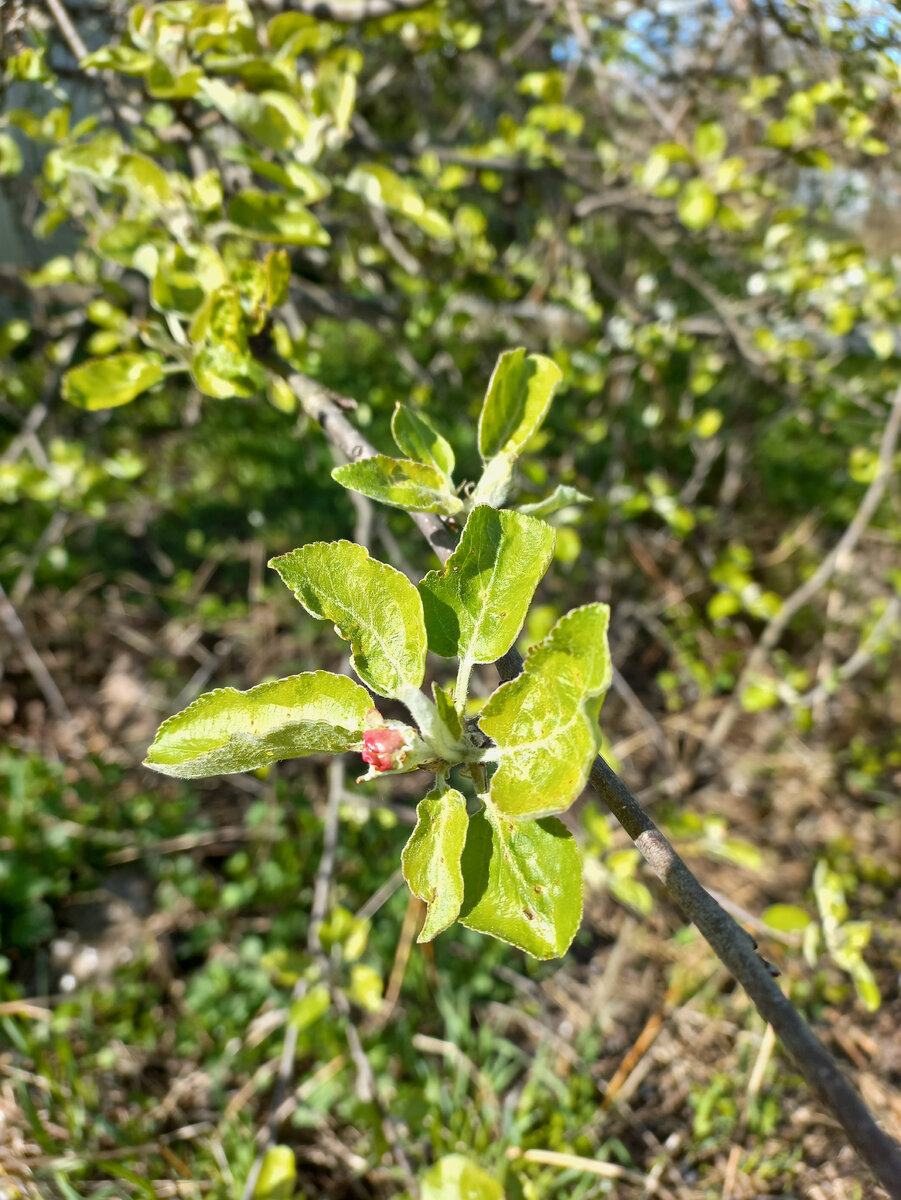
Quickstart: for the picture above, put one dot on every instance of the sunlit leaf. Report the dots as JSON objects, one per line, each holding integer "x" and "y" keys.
{"x": 227, "y": 731}
{"x": 384, "y": 189}
{"x": 476, "y": 604}
{"x": 373, "y": 606}
{"x": 401, "y": 483}
{"x": 544, "y": 722}
{"x": 522, "y": 882}
{"x": 110, "y": 382}
{"x": 431, "y": 858}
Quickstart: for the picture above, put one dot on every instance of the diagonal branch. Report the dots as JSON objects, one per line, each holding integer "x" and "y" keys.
{"x": 732, "y": 945}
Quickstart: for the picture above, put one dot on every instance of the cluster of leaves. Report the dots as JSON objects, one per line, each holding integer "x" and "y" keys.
{"x": 507, "y": 869}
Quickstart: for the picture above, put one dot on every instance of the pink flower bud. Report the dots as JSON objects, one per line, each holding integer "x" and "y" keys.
{"x": 382, "y": 748}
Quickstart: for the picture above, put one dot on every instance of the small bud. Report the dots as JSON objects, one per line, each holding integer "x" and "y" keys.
{"x": 384, "y": 749}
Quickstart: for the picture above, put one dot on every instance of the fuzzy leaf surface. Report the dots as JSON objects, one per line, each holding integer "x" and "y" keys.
{"x": 416, "y": 438}
{"x": 519, "y": 395}
{"x": 372, "y": 606}
{"x": 522, "y": 882}
{"x": 400, "y": 482}
{"x": 544, "y": 722}
{"x": 226, "y": 731}
{"x": 477, "y": 603}
{"x": 431, "y": 858}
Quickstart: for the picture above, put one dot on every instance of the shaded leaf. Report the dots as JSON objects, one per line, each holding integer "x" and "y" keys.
{"x": 384, "y": 189}
{"x": 373, "y": 606}
{"x": 456, "y": 1177}
{"x": 227, "y": 731}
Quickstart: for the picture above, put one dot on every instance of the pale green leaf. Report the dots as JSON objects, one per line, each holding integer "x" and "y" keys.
{"x": 522, "y": 882}
{"x": 519, "y": 394}
{"x": 561, "y": 497}
{"x": 456, "y": 1177}
{"x": 110, "y": 382}
{"x": 250, "y": 113}
{"x": 273, "y": 217}
{"x": 476, "y": 604}
{"x": 416, "y": 438}
{"x": 384, "y": 189}
{"x": 697, "y": 204}
{"x": 278, "y": 1175}
{"x": 544, "y": 722}
{"x": 373, "y": 606}
{"x": 310, "y": 1007}
{"x": 786, "y": 917}
{"x": 220, "y": 370}
{"x": 431, "y": 858}
{"x": 227, "y": 731}
{"x": 366, "y": 987}
{"x": 711, "y": 141}
{"x": 401, "y": 483}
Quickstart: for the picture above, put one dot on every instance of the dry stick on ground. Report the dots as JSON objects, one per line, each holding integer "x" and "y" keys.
{"x": 802, "y": 595}
{"x": 735, "y": 948}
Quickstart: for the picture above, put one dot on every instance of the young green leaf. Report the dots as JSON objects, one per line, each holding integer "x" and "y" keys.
{"x": 545, "y": 722}
{"x": 110, "y": 382}
{"x": 561, "y": 497}
{"x": 456, "y": 1177}
{"x": 400, "y": 482}
{"x": 522, "y": 882}
{"x": 476, "y": 604}
{"x": 416, "y": 438}
{"x": 381, "y": 187}
{"x": 519, "y": 394}
{"x": 226, "y": 731}
{"x": 431, "y": 858}
{"x": 373, "y": 606}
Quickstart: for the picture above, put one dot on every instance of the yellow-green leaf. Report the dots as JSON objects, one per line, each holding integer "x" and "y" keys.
{"x": 110, "y": 382}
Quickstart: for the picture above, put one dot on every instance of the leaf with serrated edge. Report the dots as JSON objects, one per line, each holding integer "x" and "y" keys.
{"x": 475, "y": 606}
{"x": 522, "y": 882}
{"x": 519, "y": 395}
{"x": 226, "y": 731}
{"x": 545, "y": 721}
{"x": 372, "y": 606}
{"x": 400, "y": 482}
{"x": 416, "y": 438}
{"x": 431, "y": 858}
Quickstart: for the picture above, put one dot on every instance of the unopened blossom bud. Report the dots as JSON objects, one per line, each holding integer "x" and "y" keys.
{"x": 383, "y": 749}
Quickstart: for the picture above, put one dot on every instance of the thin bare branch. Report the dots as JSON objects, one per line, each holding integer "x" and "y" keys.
{"x": 731, "y": 944}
